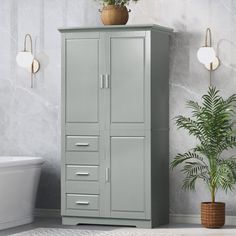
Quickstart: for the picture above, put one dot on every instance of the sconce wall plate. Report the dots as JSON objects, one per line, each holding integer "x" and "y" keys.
{"x": 214, "y": 65}
{"x": 35, "y": 66}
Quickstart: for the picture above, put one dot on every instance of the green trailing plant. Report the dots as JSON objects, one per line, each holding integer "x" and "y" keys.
{"x": 116, "y": 2}
{"x": 212, "y": 123}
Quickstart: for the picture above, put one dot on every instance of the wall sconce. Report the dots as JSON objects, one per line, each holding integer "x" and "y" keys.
{"x": 26, "y": 59}
{"x": 207, "y": 55}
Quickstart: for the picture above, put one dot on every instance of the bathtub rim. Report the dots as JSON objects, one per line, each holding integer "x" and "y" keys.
{"x": 20, "y": 161}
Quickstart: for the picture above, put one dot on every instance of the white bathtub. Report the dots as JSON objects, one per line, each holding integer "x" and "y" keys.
{"x": 19, "y": 178}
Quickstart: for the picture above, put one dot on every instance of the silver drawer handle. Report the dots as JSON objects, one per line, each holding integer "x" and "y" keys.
{"x": 101, "y": 81}
{"x": 82, "y": 203}
{"x": 82, "y": 173}
{"x": 107, "y": 80}
{"x": 107, "y": 175}
{"x": 82, "y": 144}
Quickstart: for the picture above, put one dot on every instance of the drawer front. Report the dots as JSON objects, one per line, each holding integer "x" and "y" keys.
{"x": 82, "y": 143}
{"x": 81, "y": 172}
{"x": 82, "y": 202}
{"x": 82, "y": 187}
{"x": 82, "y": 158}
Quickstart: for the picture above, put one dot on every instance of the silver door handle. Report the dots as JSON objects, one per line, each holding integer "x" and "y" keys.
{"x": 107, "y": 81}
{"x": 107, "y": 175}
{"x": 82, "y": 203}
{"x": 82, "y": 144}
{"x": 82, "y": 173}
{"x": 101, "y": 81}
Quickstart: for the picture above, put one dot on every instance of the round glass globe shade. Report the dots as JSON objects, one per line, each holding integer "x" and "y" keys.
{"x": 24, "y": 59}
{"x": 206, "y": 55}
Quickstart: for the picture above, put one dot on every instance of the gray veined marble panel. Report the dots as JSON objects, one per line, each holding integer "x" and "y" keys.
{"x": 29, "y": 119}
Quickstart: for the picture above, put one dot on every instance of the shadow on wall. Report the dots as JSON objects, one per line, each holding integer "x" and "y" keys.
{"x": 224, "y": 43}
{"x": 44, "y": 198}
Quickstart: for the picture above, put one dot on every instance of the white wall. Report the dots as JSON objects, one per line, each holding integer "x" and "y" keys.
{"x": 30, "y": 118}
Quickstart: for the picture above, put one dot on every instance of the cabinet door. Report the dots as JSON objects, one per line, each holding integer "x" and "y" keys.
{"x": 127, "y": 177}
{"x": 127, "y": 71}
{"x": 82, "y": 78}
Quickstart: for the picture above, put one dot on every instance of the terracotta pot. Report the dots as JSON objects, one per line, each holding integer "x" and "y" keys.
{"x": 213, "y": 214}
{"x": 114, "y": 15}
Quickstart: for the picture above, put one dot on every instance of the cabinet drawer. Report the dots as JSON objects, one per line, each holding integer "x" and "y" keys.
{"x": 82, "y": 158}
{"x": 82, "y": 202}
{"x": 81, "y": 172}
{"x": 82, "y": 187}
{"x": 82, "y": 143}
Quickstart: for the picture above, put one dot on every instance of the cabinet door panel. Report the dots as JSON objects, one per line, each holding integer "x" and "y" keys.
{"x": 127, "y": 79}
{"x": 82, "y": 80}
{"x": 127, "y": 175}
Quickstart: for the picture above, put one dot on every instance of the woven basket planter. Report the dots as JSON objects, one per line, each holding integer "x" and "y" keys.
{"x": 213, "y": 214}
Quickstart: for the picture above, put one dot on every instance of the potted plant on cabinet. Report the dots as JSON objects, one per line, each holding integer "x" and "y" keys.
{"x": 212, "y": 123}
{"x": 115, "y": 12}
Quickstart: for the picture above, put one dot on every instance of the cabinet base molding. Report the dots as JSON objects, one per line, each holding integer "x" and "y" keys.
{"x": 66, "y": 220}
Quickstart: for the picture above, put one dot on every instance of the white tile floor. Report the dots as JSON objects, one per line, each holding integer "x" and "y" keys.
{"x": 179, "y": 229}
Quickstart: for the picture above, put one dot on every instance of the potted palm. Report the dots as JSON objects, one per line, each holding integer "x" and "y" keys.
{"x": 212, "y": 123}
{"x": 115, "y": 12}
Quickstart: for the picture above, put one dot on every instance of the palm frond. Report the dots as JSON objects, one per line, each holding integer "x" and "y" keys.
{"x": 224, "y": 177}
{"x": 180, "y": 158}
{"x": 189, "y": 182}
{"x": 194, "y": 168}
{"x": 191, "y": 125}
{"x": 196, "y": 108}
{"x": 116, "y": 2}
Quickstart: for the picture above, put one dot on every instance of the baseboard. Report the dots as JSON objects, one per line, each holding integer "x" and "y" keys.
{"x": 196, "y": 219}
{"x": 47, "y": 213}
{"x": 174, "y": 218}
{"x": 185, "y": 219}
{"x": 16, "y": 222}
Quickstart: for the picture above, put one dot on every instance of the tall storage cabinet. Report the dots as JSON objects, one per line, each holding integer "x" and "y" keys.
{"x": 115, "y": 125}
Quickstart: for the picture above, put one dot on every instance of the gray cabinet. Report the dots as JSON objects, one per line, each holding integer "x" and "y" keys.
{"x": 115, "y": 125}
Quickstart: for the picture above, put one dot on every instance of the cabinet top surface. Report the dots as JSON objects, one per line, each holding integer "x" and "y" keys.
{"x": 117, "y": 27}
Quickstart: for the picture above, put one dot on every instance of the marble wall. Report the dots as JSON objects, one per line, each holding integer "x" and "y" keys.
{"x": 30, "y": 118}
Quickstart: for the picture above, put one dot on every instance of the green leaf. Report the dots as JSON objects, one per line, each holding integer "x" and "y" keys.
{"x": 116, "y": 2}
